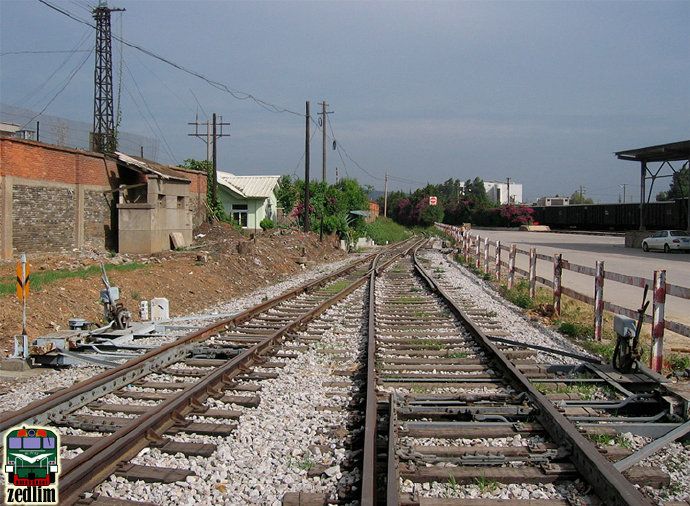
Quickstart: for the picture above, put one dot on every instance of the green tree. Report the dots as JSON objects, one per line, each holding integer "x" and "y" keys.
{"x": 679, "y": 184}
{"x": 577, "y": 198}
{"x": 215, "y": 208}
{"x": 286, "y": 194}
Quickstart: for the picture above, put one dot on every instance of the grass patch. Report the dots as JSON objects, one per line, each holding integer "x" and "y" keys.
{"x": 459, "y": 354}
{"x": 586, "y": 391}
{"x": 306, "y": 464}
{"x": 337, "y": 287}
{"x": 607, "y": 439}
{"x": 429, "y": 343}
{"x": 519, "y": 294}
{"x": 39, "y": 279}
{"x": 386, "y": 231}
{"x": 409, "y": 299}
{"x": 485, "y": 484}
{"x": 678, "y": 362}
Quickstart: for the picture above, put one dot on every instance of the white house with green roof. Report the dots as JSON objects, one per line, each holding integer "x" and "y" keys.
{"x": 248, "y": 199}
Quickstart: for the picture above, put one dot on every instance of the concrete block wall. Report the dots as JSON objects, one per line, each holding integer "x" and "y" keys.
{"x": 53, "y": 198}
{"x": 57, "y": 199}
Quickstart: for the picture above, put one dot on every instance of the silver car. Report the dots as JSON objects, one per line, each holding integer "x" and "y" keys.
{"x": 667, "y": 240}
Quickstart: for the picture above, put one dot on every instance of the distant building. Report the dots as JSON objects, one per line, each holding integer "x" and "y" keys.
{"x": 553, "y": 201}
{"x": 374, "y": 211}
{"x": 16, "y": 131}
{"x": 248, "y": 199}
{"x": 498, "y": 192}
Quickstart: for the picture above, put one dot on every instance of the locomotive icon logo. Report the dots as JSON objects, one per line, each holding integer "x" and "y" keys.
{"x": 31, "y": 465}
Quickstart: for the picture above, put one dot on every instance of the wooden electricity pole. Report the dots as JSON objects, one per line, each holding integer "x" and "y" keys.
{"x": 323, "y": 120}
{"x": 385, "y": 195}
{"x": 306, "y": 171}
{"x": 508, "y": 202}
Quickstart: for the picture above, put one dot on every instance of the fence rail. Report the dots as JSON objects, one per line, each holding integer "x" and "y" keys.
{"x": 475, "y": 248}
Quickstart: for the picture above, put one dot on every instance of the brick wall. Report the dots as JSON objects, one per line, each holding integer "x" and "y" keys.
{"x": 53, "y": 198}
{"x": 57, "y": 199}
{"x": 43, "y": 218}
{"x": 99, "y": 219}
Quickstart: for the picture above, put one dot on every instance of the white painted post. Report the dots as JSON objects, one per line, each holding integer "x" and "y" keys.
{"x": 532, "y": 272}
{"x": 497, "y": 261}
{"x": 598, "y": 299}
{"x": 557, "y": 282}
{"x": 486, "y": 255}
{"x": 511, "y": 266}
{"x": 477, "y": 258}
{"x": 658, "y": 320}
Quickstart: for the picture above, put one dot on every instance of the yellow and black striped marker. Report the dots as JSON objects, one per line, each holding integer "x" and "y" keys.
{"x": 23, "y": 283}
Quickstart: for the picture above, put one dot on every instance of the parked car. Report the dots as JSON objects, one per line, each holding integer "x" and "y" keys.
{"x": 667, "y": 240}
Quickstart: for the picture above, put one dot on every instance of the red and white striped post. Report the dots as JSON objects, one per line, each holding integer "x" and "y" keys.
{"x": 658, "y": 322}
{"x": 557, "y": 279}
{"x": 477, "y": 257}
{"x": 486, "y": 255}
{"x": 532, "y": 272}
{"x": 466, "y": 247}
{"x": 598, "y": 299}
{"x": 497, "y": 261}
{"x": 511, "y": 266}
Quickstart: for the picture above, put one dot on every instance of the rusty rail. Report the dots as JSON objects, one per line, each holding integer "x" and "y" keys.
{"x": 39, "y": 412}
{"x": 609, "y": 484}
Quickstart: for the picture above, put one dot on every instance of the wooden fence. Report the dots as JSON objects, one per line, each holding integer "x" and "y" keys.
{"x": 478, "y": 247}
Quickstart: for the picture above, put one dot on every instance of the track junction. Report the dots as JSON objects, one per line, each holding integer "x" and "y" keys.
{"x": 423, "y": 393}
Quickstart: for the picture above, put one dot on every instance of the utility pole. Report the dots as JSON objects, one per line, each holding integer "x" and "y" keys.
{"x": 103, "y": 135}
{"x": 322, "y": 123}
{"x": 623, "y": 186}
{"x": 385, "y": 195}
{"x": 306, "y": 171}
{"x": 582, "y": 192}
{"x": 206, "y": 136}
{"x": 508, "y": 192}
{"x": 336, "y": 175}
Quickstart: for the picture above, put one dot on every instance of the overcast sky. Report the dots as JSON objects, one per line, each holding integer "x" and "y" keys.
{"x": 541, "y": 92}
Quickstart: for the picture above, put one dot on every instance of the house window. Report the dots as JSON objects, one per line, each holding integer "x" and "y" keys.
{"x": 240, "y": 214}
{"x": 180, "y": 203}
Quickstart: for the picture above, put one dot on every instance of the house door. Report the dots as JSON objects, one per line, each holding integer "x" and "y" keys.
{"x": 240, "y": 214}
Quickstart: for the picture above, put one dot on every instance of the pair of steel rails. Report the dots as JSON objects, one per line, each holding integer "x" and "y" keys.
{"x": 606, "y": 481}
{"x": 91, "y": 467}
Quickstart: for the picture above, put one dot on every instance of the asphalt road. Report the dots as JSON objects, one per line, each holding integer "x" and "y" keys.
{"x": 587, "y": 249}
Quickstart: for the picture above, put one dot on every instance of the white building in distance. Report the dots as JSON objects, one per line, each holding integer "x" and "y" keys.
{"x": 498, "y": 192}
{"x": 553, "y": 201}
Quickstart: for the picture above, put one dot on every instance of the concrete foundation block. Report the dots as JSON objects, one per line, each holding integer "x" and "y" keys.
{"x": 160, "y": 309}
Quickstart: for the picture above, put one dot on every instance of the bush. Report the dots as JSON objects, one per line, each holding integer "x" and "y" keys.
{"x": 266, "y": 223}
{"x": 385, "y": 230}
{"x": 519, "y": 294}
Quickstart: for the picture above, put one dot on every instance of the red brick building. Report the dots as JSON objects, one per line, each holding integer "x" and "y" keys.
{"x": 58, "y": 199}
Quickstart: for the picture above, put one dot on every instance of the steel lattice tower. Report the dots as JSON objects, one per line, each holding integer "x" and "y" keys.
{"x": 103, "y": 115}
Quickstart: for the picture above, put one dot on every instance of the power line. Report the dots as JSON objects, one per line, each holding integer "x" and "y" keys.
{"x": 69, "y": 80}
{"x": 146, "y": 105}
{"x": 56, "y": 51}
{"x": 239, "y": 95}
{"x": 32, "y": 97}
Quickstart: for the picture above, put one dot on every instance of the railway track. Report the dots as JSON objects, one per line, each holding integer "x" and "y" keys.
{"x": 415, "y": 398}
{"x": 113, "y": 416}
{"x": 448, "y": 407}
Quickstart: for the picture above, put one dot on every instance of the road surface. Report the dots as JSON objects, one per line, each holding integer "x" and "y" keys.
{"x": 587, "y": 249}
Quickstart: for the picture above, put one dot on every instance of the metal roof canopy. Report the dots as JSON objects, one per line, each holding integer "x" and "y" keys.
{"x": 663, "y": 154}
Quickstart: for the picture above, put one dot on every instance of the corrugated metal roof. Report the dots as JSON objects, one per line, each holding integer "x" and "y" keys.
{"x": 147, "y": 166}
{"x": 249, "y": 186}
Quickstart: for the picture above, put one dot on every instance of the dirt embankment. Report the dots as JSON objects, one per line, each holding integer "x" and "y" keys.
{"x": 190, "y": 283}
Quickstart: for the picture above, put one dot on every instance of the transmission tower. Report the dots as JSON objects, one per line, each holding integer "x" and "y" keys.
{"x": 103, "y": 116}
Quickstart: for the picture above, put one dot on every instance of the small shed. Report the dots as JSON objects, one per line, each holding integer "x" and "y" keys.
{"x": 248, "y": 199}
{"x": 153, "y": 206}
